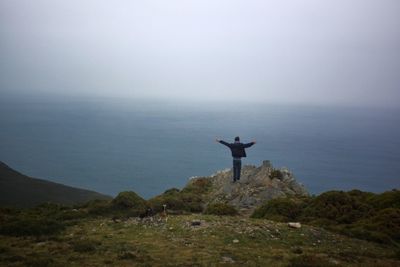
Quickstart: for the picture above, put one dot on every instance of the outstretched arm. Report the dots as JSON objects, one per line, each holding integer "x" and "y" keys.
{"x": 249, "y": 144}
{"x": 222, "y": 142}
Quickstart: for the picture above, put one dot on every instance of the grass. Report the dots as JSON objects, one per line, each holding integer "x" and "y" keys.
{"x": 218, "y": 241}
{"x": 118, "y": 233}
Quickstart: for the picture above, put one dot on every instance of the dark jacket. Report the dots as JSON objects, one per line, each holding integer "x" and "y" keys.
{"x": 237, "y": 148}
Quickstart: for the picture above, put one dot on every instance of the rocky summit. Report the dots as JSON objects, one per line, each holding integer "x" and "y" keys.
{"x": 256, "y": 186}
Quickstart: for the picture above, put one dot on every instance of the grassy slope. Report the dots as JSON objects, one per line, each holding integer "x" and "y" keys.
{"x": 135, "y": 242}
{"x": 18, "y": 190}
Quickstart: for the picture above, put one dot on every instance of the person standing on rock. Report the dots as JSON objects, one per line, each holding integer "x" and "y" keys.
{"x": 238, "y": 152}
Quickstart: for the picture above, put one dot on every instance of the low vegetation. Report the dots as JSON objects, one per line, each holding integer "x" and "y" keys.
{"x": 122, "y": 232}
{"x": 189, "y": 199}
{"x": 215, "y": 241}
{"x": 374, "y": 217}
{"x": 44, "y": 220}
{"x": 124, "y": 205}
{"x": 221, "y": 209}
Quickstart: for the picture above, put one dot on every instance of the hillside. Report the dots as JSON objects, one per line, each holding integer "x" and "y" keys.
{"x": 207, "y": 223}
{"x": 19, "y": 190}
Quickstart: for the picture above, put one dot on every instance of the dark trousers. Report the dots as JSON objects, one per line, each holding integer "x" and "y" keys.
{"x": 237, "y": 166}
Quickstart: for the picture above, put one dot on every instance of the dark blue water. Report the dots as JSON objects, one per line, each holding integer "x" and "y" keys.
{"x": 111, "y": 145}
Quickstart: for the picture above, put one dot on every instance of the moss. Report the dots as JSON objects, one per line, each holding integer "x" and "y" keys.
{"x": 221, "y": 209}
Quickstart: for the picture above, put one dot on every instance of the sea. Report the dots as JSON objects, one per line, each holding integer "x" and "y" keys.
{"x": 111, "y": 145}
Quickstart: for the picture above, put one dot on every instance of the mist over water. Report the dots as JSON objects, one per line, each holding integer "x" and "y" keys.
{"x": 112, "y": 145}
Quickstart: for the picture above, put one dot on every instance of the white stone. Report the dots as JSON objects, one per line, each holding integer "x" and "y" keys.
{"x": 294, "y": 224}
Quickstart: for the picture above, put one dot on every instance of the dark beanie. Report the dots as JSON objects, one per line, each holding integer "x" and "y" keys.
{"x": 237, "y": 138}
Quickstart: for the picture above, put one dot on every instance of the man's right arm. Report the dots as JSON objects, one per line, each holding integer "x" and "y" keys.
{"x": 223, "y": 142}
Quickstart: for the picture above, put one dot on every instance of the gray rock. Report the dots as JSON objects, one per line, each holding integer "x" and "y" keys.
{"x": 254, "y": 188}
{"x": 227, "y": 259}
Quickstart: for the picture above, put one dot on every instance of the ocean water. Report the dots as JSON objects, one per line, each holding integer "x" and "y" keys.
{"x": 113, "y": 145}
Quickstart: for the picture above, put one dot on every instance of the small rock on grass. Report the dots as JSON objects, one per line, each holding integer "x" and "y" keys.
{"x": 226, "y": 259}
{"x": 196, "y": 223}
{"x": 235, "y": 241}
{"x": 294, "y": 225}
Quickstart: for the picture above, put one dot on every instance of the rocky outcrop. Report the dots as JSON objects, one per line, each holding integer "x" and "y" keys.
{"x": 256, "y": 186}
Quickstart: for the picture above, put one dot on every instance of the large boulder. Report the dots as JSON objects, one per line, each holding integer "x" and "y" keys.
{"x": 256, "y": 186}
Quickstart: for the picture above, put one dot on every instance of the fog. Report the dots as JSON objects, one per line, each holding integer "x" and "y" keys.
{"x": 341, "y": 52}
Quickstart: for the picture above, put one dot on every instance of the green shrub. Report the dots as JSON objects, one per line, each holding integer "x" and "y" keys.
{"x": 42, "y": 220}
{"x": 281, "y": 209}
{"x": 172, "y": 198}
{"x": 188, "y": 200}
{"x": 171, "y": 191}
{"x": 384, "y": 227}
{"x": 127, "y": 200}
{"x": 98, "y": 207}
{"x": 338, "y": 206}
{"x": 193, "y": 202}
{"x": 221, "y": 209}
{"x": 71, "y": 215}
{"x": 364, "y": 215}
{"x": 389, "y": 199}
{"x": 29, "y": 225}
{"x": 361, "y": 195}
{"x": 128, "y": 203}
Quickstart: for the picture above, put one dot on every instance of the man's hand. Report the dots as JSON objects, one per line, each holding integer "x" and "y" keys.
{"x": 254, "y": 141}
{"x": 217, "y": 140}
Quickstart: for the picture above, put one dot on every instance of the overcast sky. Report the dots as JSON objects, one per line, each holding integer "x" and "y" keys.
{"x": 343, "y": 52}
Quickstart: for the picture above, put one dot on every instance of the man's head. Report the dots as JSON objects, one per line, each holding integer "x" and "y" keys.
{"x": 237, "y": 139}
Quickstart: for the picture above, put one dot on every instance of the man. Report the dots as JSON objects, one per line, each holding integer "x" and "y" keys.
{"x": 237, "y": 149}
